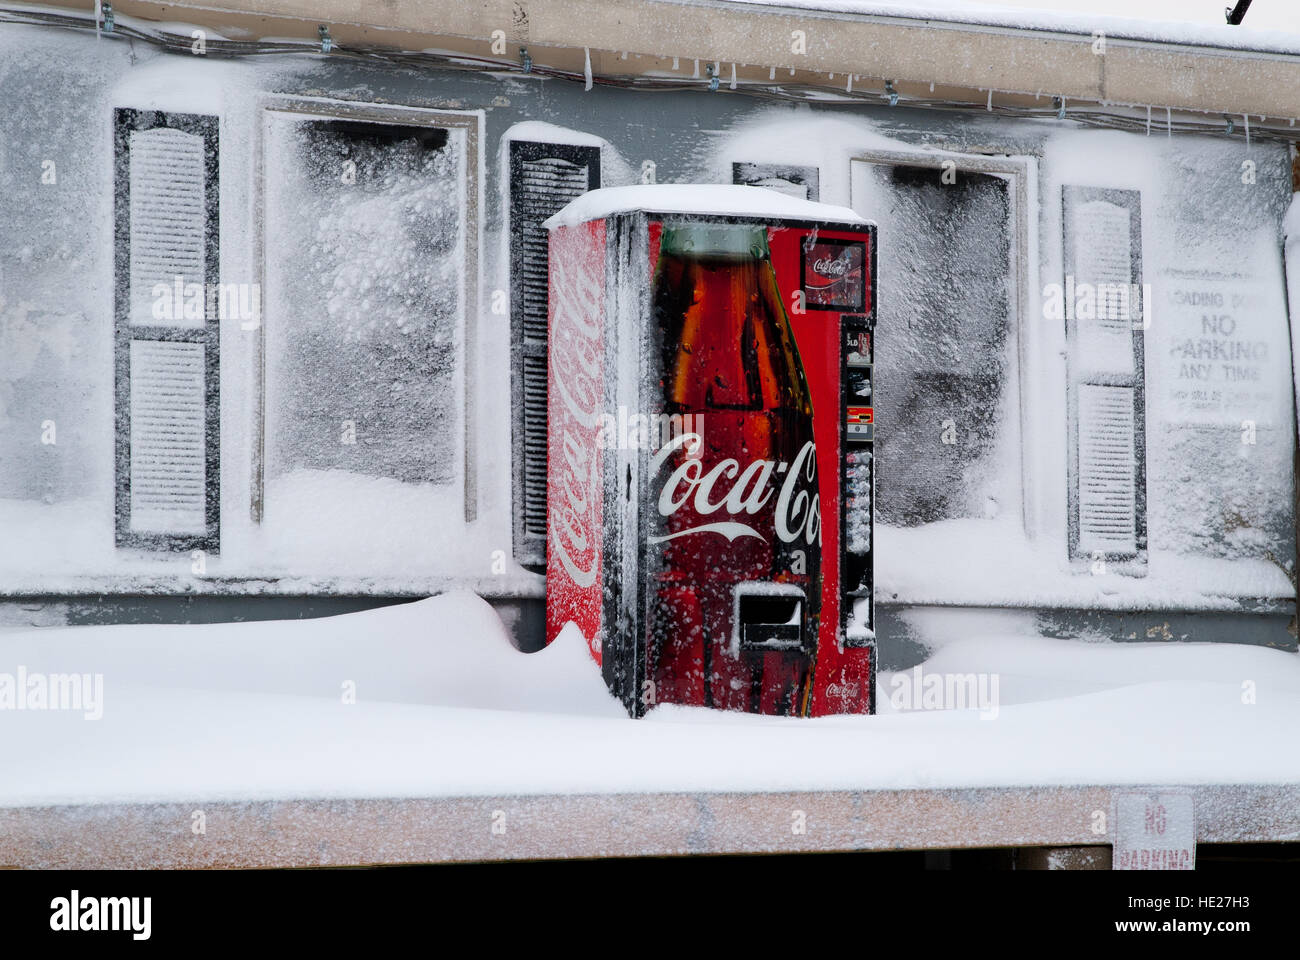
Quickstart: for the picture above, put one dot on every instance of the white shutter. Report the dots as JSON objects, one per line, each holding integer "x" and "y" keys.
{"x": 1102, "y": 245}
{"x": 166, "y": 340}
{"x": 1103, "y": 258}
{"x": 1107, "y": 470}
{"x": 168, "y": 449}
{"x": 167, "y": 219}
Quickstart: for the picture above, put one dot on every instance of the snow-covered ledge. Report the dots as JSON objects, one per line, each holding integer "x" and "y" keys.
{"x": 405, "y": 734}
{"x": 323, "y": 833}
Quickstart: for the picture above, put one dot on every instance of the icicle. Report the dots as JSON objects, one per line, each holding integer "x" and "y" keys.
{"x": 989, "y": 106}
{"x": 848, "y": 87}
{"x": 1169, "y": 123}
{"x": 97, "y": 14}
{"x": 675, "y": 63}
{"x": 586, "y": 68}
{"x": 1246, "y": 120}
{"x": 1148, "y": 120}
{"x": 771, "y": 73}
{"x": 733, "y": 77}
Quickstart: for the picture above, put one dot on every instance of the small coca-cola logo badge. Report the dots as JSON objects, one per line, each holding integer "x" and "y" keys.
{"x": 832, "y": 268}
{"x": 835, "y": 275}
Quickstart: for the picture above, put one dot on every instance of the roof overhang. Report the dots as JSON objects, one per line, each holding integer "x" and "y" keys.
{"x": 751, "y": 47}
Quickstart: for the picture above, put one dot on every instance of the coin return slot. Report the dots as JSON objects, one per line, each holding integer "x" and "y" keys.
{"x": 770, "y": 622}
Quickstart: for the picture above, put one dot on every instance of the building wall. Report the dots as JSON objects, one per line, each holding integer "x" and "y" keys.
{"x": 1219, "y": 482}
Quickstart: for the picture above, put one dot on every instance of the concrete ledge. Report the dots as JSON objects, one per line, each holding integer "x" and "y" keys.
{"x": 320, "y": 833}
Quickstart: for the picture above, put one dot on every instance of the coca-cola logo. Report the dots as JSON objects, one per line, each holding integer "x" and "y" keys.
{"x": 575, "y": 375}
{"x": 740, "y": 494}
{"x": 834, "y": 275}
{"x": 831, "y": 266}
{"x": 844, "y": 690}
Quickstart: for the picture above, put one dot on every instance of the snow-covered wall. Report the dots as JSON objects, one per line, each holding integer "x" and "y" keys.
{"x": 385, "y": 302}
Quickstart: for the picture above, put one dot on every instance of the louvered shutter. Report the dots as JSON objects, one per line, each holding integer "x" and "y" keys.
{"x": 1107, "y": 471}
{"x": 167, "y": 332}
{"x": 544, "y": 177}
{"x": 1107, "y": 380}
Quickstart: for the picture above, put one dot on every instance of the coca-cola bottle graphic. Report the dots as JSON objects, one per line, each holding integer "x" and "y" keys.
{"x": 735, "y": 529}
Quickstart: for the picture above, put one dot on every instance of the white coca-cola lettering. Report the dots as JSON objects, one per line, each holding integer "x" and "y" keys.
{"x": 803, "y": 515}
{"x": 575, "y": 360}
{"x": 797, "y": 510}
{"x": 831, "y": 267}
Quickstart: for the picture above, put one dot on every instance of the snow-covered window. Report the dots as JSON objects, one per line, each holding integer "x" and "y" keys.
{"x": 945, "y": 399}
{"x": 367, "y": 240}
{"x": 166, "y": 331}
{"x": 1107, "y": 384}
{"x": 544, "y": 177}
{"x": 793, "y": 181}
{"x": 364, "y": 254}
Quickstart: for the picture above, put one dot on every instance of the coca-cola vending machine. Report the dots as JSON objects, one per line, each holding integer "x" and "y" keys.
{"x": 710, "y": 434}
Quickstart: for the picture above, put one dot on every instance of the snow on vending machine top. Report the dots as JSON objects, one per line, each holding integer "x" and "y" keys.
{"x": 710, "y": 434}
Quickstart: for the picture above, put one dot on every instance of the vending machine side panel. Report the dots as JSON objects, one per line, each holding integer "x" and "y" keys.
{"x": 576, "y": 400}
{"x": 626, "y": 448}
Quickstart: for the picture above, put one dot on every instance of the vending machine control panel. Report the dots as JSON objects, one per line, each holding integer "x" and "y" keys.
{"x": 856, "y": 533}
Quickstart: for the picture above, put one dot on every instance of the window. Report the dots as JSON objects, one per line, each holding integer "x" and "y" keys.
{"x": 544, "y": 177}
{"x": 363, "y": 460}
{"x": 794, "y": 181}
{"x": 1107, "y": 420}
{"x": 166, "y": 331}
{"x": 946, "y": 398}
{"x": 366, "y": 226}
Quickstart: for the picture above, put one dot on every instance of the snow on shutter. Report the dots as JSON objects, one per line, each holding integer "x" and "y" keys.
{"x": 168, "y": 493}
{"x": 1107, "y": 470}
{"x": 1103, "y": 266}
{"x": 167, "y": 222}
{"x": 167, "y": 336}
{"x": 544, "y": 177}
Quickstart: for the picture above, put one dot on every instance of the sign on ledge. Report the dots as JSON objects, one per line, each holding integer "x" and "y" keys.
{"x": 1154, "y": 831}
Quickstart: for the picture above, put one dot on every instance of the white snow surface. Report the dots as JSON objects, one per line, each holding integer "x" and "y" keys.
{"x": 700, "y": 199}
{"x": 446, "y": 707}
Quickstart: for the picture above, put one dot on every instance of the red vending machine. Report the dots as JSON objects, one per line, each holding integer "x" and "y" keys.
{"x": 710, "y": 433}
